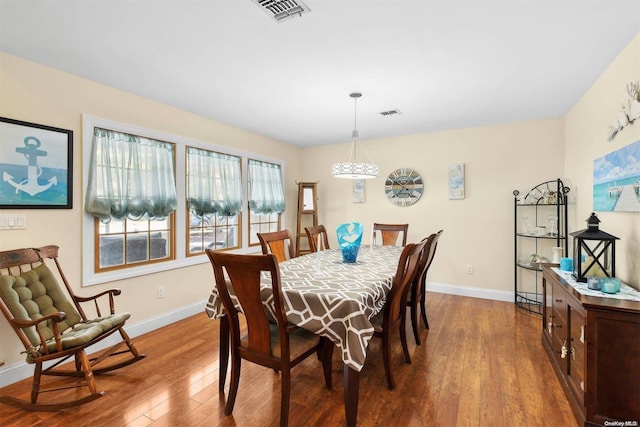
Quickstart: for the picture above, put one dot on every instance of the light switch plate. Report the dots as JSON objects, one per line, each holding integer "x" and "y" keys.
{"x": 13, "y": 222}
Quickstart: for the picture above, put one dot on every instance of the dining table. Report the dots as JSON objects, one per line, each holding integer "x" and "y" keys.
{"x": 330, "y": 298}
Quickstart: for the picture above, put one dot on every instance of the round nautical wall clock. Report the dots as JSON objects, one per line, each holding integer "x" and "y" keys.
{"x": 403, "y": 187}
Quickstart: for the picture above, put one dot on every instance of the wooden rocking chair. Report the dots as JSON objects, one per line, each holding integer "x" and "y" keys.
{"x": 54, "y": 328}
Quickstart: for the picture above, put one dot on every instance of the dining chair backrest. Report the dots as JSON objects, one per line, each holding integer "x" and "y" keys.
{"x": 390, "y": 233}
{"x": 405, "y": 274}
{"x": 416, "y": 296}
{"x": 244, "y": 273}
{"x": 430, "y": 255}
{"x": 317, "y": 234}
{"x": 278, "y": 243}
{"x": 427, "y": 257}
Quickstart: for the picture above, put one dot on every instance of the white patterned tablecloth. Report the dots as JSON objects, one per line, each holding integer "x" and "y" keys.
{"x": 626, "y": 291}
{"x": 330, "y": 298}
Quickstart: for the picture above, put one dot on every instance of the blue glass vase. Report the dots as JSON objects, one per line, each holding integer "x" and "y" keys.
{"x": 349, "y": 240}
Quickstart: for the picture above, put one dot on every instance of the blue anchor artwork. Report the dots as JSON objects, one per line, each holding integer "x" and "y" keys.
{"x": 31, "y": 184}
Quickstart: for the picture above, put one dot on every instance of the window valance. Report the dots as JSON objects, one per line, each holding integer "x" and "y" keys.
{"x": 266, "y": 188}
{"x": 214, "y": 183}
{"x": 130, "y": 177}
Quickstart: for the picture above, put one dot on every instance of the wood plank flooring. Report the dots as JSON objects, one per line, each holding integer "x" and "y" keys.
{"x": 480, "y": 364}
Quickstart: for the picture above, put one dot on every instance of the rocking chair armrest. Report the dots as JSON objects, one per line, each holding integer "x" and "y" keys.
{"x": 94, "y": 298}
{"x": 114, "y": 292}
{"x": 56, "y": 317}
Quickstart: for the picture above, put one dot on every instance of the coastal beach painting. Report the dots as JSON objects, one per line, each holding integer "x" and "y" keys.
{"x": 36, "y": 166}
{"x": 616, "y": 180}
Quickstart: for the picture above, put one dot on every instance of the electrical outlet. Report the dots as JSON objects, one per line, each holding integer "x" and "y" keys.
{"x": 469, "y": 269}
{"x": 160, "y": 292}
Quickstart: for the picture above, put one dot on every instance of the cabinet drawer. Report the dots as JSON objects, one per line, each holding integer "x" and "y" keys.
{"x": 560, "y": 304}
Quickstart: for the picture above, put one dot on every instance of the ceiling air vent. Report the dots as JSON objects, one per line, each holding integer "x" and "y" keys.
{"x": 390, "y": 113}
{"x": 282, "y": 10}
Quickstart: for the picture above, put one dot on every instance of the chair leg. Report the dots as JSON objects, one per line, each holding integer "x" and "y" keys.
{"x": 285, "y": 385}
{"x": 224, "y": 352}
{"x": 403, "y": 339}
{"x": 88, "y": 373}
{"x": 35, "y": 385}
{"x": 423, "y": 308}
{"x": 327, "y": 354}
{"x": 386, "y": 351}
{"x": 132, "y": 348}
{"x": 233, "y": 386}
{"x": 414, "y": 321}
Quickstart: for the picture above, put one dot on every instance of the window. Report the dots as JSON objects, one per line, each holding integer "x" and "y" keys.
{"x": 262, "y": 224}
{"x": 141, "y": 237}
{"x": 130, "y": 242}
{"x": 266, "y": 198}
{"x": 214, "y": 200}
{"x": 132, "y": 184}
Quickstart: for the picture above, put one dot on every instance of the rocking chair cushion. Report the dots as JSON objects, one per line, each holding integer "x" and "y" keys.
{"x": 83, "y": 332}
{"x": 35, "y": 294}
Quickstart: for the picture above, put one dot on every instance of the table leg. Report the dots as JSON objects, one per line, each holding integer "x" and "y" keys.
{"x": 351, "y": 393}
{"x": 224, "y": 352}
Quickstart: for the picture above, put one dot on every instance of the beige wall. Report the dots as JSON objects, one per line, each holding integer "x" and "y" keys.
{"x": 33, "y": 93}
{"x": 478, "y": 230}
{"x": 586, "y": 127}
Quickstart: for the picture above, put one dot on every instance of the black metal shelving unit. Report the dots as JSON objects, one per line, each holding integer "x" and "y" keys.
{"x": 545, "y": 205}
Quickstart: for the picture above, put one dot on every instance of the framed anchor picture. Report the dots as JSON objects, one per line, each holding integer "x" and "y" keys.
{"x": 36, "y": 166}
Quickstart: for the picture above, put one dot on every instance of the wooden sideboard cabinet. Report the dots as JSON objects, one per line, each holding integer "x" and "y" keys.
{"x": 593, "y": 344}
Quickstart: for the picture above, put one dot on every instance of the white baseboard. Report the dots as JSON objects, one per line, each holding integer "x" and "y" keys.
{"x": 466, "y": 291}
{"x": 21, "y": 370}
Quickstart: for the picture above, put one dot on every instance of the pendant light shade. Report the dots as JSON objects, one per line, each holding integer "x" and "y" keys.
{"x": 352, "y": 168}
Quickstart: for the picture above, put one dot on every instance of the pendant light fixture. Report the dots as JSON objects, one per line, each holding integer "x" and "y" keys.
{"x": 352, "y": 168}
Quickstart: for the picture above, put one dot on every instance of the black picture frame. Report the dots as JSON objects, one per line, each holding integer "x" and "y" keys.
{"x": 36, "y": 166}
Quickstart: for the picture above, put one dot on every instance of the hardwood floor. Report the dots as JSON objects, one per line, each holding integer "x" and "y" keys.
{"x": 480, "y": 364}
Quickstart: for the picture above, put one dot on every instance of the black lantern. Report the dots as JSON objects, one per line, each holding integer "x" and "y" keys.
{"x": 594, "y": 252}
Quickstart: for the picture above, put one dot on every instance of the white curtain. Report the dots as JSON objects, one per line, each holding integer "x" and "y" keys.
{"x": 130, "y": 177}
{"x": 214, "y": 183}
{"x": 266, "y": 188}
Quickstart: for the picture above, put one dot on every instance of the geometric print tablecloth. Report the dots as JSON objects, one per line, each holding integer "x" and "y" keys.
{"x": 333, "y": 299}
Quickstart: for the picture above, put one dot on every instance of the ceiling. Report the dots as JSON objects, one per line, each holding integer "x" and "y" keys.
{"x": 443, "y": 64}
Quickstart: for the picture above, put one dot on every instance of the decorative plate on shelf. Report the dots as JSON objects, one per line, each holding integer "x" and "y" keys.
{"x": 403, "y": 187}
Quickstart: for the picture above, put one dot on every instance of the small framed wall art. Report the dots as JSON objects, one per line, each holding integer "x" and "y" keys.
{"x": 358, "y": 191}
{"x": 36, "y": 166}
{"x": 456, "y": 181}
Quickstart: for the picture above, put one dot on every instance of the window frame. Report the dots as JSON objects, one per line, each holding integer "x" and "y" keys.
{"x": 181, "y": 219}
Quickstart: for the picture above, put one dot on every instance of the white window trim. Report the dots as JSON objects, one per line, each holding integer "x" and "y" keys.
{"x": 89, "y": 276}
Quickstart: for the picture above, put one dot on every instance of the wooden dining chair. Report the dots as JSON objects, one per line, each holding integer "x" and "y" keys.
{"x": 390, "y": 233}
{"x": 278, "y": 243}
{"x": 279, "y": 345}
{"x": 416, "y": 296}
{"x": 393, "y": 313}
{"x": 317, "y": 234}
{"x": 53, "y": 327}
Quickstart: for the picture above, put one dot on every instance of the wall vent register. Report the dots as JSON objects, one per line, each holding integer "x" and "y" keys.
{"x": 283, "y": 10}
